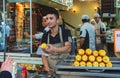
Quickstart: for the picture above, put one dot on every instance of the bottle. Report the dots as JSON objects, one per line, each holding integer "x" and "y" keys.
{"x": 74, "y": 46}
{"x": 24, "y": 72}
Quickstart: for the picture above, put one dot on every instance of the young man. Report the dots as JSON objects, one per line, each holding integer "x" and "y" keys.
{"x": 39, "y": 35}
{"x": 100, "y": 32}
{"x": 87, "y": 34}
{"x": 57, "y": 39}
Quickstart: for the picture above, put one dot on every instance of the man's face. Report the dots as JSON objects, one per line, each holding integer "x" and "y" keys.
{"x": 96, "y": 19}
{"x": 44, "y": 23}
{"x": 93, "y": 23}
{"x": 52, "y": 21}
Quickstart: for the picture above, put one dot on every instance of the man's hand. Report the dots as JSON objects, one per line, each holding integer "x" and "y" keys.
{"x": 7, "y": 65}
{"x": 50, "y": 49}
{"x": 26, "y": 34}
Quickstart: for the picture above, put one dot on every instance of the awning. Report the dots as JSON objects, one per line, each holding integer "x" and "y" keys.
{"x": 43, "y": 2}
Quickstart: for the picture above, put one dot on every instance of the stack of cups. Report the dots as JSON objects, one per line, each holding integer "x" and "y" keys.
{"x": 14, "y": 72}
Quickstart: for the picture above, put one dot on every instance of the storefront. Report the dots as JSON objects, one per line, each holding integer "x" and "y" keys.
{"x": 26, "y": 16}
{"x": 18, "y": 15}
{"x": 21, "y": 16}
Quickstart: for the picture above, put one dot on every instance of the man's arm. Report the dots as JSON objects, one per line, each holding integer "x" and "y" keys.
{"x": 82, "y": 42}
{"x": 52, "y": 49}
{"x": 45, "y": 63}
{"x": 101, "y": 35}
{"x": 5, "y": 74}
{"x": 27, "y": 35}
{"x": 65, "y": 48}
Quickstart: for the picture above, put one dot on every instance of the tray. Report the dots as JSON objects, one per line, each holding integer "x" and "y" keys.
{"x": 66, "y": 65}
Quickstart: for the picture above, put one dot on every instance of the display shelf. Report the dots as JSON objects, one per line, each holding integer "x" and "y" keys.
{"x": 107, "y": 6}
{"x": 22, "y": 58}
{"x": 108, "y": 12}
{"x": 68, "y": 3}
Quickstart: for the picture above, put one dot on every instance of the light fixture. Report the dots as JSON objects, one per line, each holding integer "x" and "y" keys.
{"x": 74, "y": 11}
{"x": 95, "y": 8}
{"x": 87, "y": 0}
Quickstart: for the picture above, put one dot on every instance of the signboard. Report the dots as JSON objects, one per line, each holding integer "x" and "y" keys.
{"x": 18, "y": 0}
{"x": 68, "y": 3}
{"x": 117, "y": 40}
{"x": 117, "y": 3}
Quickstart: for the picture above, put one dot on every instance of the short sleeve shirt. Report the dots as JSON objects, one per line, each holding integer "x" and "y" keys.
{"x": 102, "y": 26}
{"x": 87, "y": 31}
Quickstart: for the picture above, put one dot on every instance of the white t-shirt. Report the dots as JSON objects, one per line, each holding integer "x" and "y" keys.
{"x": 91, "y": 31}
{"x": 100, "y": 25}
{"x": 39, "y": 35}
{"x": 41, "y": 52}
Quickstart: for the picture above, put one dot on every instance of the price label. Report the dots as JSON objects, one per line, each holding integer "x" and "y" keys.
{"x": 117, "y": 40}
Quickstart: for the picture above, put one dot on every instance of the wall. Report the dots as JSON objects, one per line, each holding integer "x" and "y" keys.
{"x": 81, "y": 8}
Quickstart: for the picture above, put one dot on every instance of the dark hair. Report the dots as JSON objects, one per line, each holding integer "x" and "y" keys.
{"x": 53, "y": 11}
{"x": 85, "y": 20}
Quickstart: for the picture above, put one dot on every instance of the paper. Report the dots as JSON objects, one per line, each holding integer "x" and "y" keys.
{"x": 41, "y": 52}
{"x": 117, "y": 40}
